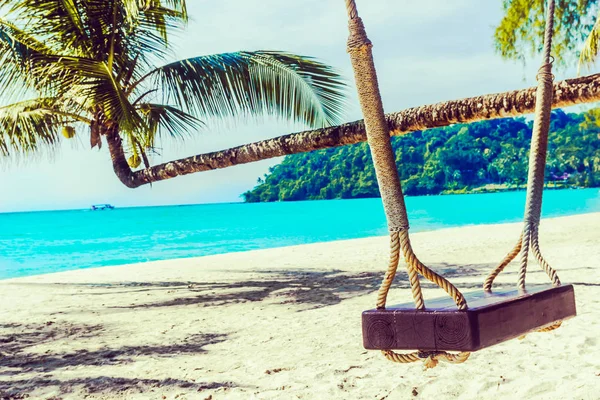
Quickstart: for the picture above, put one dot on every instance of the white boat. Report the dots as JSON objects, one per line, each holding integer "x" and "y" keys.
{"x": 102, "y": 207}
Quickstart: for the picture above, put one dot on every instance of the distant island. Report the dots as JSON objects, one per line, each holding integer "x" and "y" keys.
{"x": 484, "y": 156}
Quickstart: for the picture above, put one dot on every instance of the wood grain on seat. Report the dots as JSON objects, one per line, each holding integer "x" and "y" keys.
{"x": 491, "y": 318}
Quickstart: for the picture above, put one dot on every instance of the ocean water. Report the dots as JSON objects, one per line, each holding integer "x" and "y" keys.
{"x": 43, "y": 242}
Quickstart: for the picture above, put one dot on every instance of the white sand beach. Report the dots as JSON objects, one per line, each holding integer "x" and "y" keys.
{"x": 285, "y": 324}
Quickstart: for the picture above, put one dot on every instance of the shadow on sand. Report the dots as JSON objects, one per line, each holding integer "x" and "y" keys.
{"x": 21, "y": 389}
{"x": 310, "y": 289}
{"x": 15, "y": 359}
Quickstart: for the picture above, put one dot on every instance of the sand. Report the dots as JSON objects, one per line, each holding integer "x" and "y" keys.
{"x": 285, "y": 324}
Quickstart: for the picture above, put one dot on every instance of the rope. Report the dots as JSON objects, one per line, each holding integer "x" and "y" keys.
{"x": 529, "y": 240}
{"x": 384, "y": 160}
{"x": 540, "y": 259}
{"x": 351, "y": 9}
{"x": 526, "y": 239}
{"x": 357, "y": 40}
{"x": 489, "y": 281}
{"x": 413, "y": 262}
{"x": 413, "y": 276}
{"x": 552, "y": 327}
{"x": 401, "y": 240}
{"x": 538, "y": 151}
{"x": 430, "y": 359}
{"x": 378, "y": 135}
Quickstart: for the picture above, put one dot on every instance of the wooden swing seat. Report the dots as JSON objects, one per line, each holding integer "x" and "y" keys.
{"x": 492, "y": 318}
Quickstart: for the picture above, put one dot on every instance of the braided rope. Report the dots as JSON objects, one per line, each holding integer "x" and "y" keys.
{"x": 391, "y": 271}
{"x": 526, "y": 239}
{"x": 535, "y": 247}
{"x": 548, "y": 31}
{"x": 417, "y": 265}
{"x": 529, "y": 239}
{"x": 539, "y": 148}
{"x": 415, "y": 285}
{"x": 414, "y": 266}
{"x": 388, "y": 279}
{"x": 552, "y": 327}
{"x": 378, "y": 135}
{"x": 489, "y": 281}
{"x": 351, "y": 9}
{"x": 401, "y": 358}
{"x": 430, "y": 360}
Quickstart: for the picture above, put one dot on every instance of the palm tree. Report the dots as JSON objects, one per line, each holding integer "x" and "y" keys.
{"x": 34, "y": 33}
{"x": 89, "y": 67}
{"x": 498, "y": 105}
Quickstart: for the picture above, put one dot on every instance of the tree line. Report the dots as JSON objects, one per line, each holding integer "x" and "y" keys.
{"x": 487, "y": 155}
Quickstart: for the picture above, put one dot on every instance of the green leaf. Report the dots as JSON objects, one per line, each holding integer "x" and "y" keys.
{"x": 29, "y": 125}
{"x": 88, "y": 62}
{"x": 253, "y": 83}
{"x": 520, "y": 33}
{"x": 164, "y": 119}
{"x": 590, "y": 48}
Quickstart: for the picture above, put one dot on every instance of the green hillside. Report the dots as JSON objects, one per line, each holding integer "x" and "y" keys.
{"x": 487, "y": 155}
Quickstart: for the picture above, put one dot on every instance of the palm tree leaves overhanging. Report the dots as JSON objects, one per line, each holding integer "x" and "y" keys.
{"x": 95, "y": 61}
{"x": 591, "y": 45}
{"x": 225, "y": 85}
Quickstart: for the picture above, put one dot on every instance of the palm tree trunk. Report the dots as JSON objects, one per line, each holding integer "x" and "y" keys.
{"x": 508, "y": 104}
{"x": 117, "y": 155}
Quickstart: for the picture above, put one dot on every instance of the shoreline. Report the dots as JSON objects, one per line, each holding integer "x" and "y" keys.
{"x": 449, "y": 192}
{"x": 291, "y": 247}
{"x": 486, "y": 189}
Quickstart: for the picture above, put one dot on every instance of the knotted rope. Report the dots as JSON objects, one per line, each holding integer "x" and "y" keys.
{"x": 378, "y": 135}
{"x": 529, "y": 239}
{"x": 401, "y": 241}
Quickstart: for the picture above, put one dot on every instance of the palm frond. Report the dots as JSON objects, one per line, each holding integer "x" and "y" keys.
{"x": 165, "y": 119}
{"x": 19, "y": 51}
{"x": 87, "y": 60}
{"x": 155, "y": 13}
{"x": 28, "y": 125}
{"x": 589, "y": 50}
{"x": 251, "y": 83}
{"x": 59, "y": 23}
{"x": 94, "y": 82}
{"x": 100, "y": 29}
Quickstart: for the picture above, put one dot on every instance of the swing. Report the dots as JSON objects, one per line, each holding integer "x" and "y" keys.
{"x": 459, "y": 323}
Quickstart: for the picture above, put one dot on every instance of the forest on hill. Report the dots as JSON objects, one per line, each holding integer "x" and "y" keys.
{"x": 481, "y": 156}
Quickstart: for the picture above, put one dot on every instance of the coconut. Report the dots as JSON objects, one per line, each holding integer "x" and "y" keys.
{"x": 134, "y": 161}
{"x": 68, "y": 132}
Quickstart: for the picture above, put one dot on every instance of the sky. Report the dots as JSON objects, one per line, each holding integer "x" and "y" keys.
{"x": 425, "y": 51}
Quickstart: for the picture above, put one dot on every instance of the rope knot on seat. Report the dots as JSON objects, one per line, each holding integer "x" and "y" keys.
{"x": 430, "y": 362}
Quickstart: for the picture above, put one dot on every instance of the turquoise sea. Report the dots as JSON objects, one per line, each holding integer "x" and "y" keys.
{"x": 43, "y": 242}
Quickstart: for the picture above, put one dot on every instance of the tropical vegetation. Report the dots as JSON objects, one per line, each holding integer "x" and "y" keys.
{"x": 459, "y": 158}
{"x": 99, "y": 68}
{"x": 520, "y": 33}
